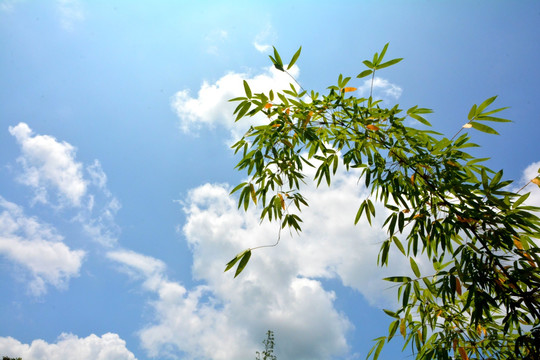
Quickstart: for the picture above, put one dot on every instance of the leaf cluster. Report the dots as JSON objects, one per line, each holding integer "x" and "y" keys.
{"x": 482, "y": 298}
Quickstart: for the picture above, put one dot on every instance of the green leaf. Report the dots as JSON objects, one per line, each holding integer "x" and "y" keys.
{"x": 521, "y": 199}
{"x": 483, "y": 128}
{"x": 237, "y": 187}
{"x": 294, "y": 58}
{"x": 472, "y": 112}
{"x": 231, "y": 263}
{"x": 388, "y": 63}
{"x": 369, "y": 64}
{"x": 420, "y": 119}
{"x": 247, "y": 89}
{"x": 364, "y": 73}
{"x": 402, "y": 279}
{"x": 278, "y": 63}
{"x": 485, "y": 104}
{"x": 414, "y": 267}
{"x": 383, "y": 52}
{"x": 243, "y": 262}
{"x": 399, "y": 245}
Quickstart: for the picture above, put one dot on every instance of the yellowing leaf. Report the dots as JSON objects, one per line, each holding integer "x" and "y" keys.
{"x": 405, "y": 211}
{"x": 349, "y": 89}
{"x": 450, "y": 162}
{"x": 372, "y": 127}
{"x": 481, "y": 330}
{"x": 418, "y": 216}
{"x": 467, "y": 126}
{"x": 282, "y": 201}
{"x": 268, "y": 106}
{"x": 412, "y": 178}
{"x": 252, "y": 191}
{"x": 466, "y": 220}
{"x": 536, "y": 181}
{"x": 518, "y": 243}
{"x": 463, "y": 353}
{"x": 402, "y": 329}
{"x": 307, "y": 119}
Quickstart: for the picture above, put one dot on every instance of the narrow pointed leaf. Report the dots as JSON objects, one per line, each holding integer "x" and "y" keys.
{"x": 243, "y": 262}
{"x": 484, "y": 128}
{"x": 294, "y": 58}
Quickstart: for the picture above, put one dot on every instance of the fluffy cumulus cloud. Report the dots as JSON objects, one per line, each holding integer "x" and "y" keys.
{"x": 281, "y": 289}
{"x": 49, "y": 164}
{"x": 211, "y": 106}
{"x": 68, "y": 346}
{"x": 382, "y": 89}
{"x": 38, "y": 248}
{"x": 228, "y": 322}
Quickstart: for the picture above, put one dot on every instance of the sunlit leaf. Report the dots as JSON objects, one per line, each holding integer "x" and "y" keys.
{"x": 484, "y": 128}
{"x": 414, "y": 267}
{"x": 364, "y": 73}
{"x": 294, "y": 58}
{"x": 467, "y": 126}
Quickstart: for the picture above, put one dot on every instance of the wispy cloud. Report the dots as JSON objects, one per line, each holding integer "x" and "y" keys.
{"x": 38, "y": 248}
{"x": 71, "y": 13}
{"x": 8, "y": 5}
{"x": 49, "y": 167}
{"x": 68, "y": 346}
{"x": 264, "y": 38}
{"x": 382, "y": 89}
{"x": 214, "y": 40}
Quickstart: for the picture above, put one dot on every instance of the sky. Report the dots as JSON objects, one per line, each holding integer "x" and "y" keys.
{"x": 115, "y": 168}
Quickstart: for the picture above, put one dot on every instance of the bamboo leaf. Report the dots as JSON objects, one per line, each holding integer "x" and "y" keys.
{"x": 414, "y": 267}
{"x": 294, "y": 58}
{"x": 243, "y": 262}
{"x": 484, "y": 128}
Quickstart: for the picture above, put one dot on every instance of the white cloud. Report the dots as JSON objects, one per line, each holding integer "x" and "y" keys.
{"x": 263, "y": 48}
{"x": 382, "y": 89}
{"x": 8, "y": 5}
{"x": 530, "y": 173}
{"x": 280, "y": 289}
{"x": 48, "y": 163}
{"x": 212, "y": 107}
{"x": 38, "y": 248}
{"x": 50, "y": 166}
{"x": 267, "y": 35}
{"x": 68, "y": 346}
{"x": 71, "y": 12}
{"x": 228, "y": 320}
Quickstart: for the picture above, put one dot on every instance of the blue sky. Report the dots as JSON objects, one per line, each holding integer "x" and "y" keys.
{"x": 115, "y": 168}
